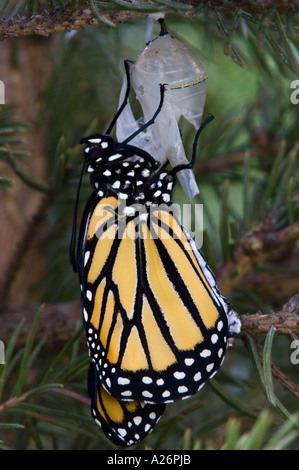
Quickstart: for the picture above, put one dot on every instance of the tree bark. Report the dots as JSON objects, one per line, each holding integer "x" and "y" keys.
{"x": 25, "y": 72}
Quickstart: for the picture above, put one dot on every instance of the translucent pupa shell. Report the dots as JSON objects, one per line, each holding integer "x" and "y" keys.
{"x": 165, "y": 60}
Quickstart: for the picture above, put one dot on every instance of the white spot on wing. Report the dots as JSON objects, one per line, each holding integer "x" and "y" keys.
{"x": 85, "y": 314}
{"x": 86, "y": 257}
{"x": 197, "y": 376}
{"x": 214, "y": 338}
{"x": 89, "y": 294}
{"x": 123, "y": 381}
{"x": 147, "y": 394}
{"x": 147, "y": 380}
{"x": 137, "y": 420}
{"x": 189, "y": 361}
{"x": 205, "y": 353}
{"x": 179, "y": 375}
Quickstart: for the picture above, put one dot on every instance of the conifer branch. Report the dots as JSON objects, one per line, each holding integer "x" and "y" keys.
{"x": 112, "y": 12}
{"x": 286, "y": 321}
{"x": 261, "y": 243}
{"x": 46, "y": 23}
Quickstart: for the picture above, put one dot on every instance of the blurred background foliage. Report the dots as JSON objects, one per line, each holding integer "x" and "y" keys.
{"x": 251, "y": 61}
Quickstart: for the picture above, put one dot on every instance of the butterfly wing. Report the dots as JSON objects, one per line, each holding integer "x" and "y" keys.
{"x": 156, "y": 323}
{"x": 124, "y": 423}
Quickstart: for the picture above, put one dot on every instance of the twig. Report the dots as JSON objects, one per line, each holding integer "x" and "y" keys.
{"x": 261, "y": 243}
{"x": 14, "y": 401}
{"x": 66, "y": 20}
{"x": 284, "y": 380}
{"x": 285, "y": 321}
{"x": 57, "y": 324}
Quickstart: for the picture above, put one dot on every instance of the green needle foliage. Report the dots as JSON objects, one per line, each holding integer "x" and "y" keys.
{"x": 52, "y": 402}
{"x": 10, "y": 131}
{"x": 44, "y": 398}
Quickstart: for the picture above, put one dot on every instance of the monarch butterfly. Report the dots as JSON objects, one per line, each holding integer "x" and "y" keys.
{"x": 155, "y": 322}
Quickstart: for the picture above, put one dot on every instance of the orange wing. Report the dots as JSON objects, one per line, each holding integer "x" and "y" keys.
{"x": 155, "y": 321}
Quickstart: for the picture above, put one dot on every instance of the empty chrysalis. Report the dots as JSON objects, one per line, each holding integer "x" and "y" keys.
{"x": 166, "y": 60}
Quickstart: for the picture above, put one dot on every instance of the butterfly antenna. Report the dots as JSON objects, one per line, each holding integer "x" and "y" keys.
{"x": 151, "y": 121}
{"x": 208, "y": 119}
{"x": 190, "y": 165}
{"x": 72, "y": 249}
{"x": 124, "y": 103}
